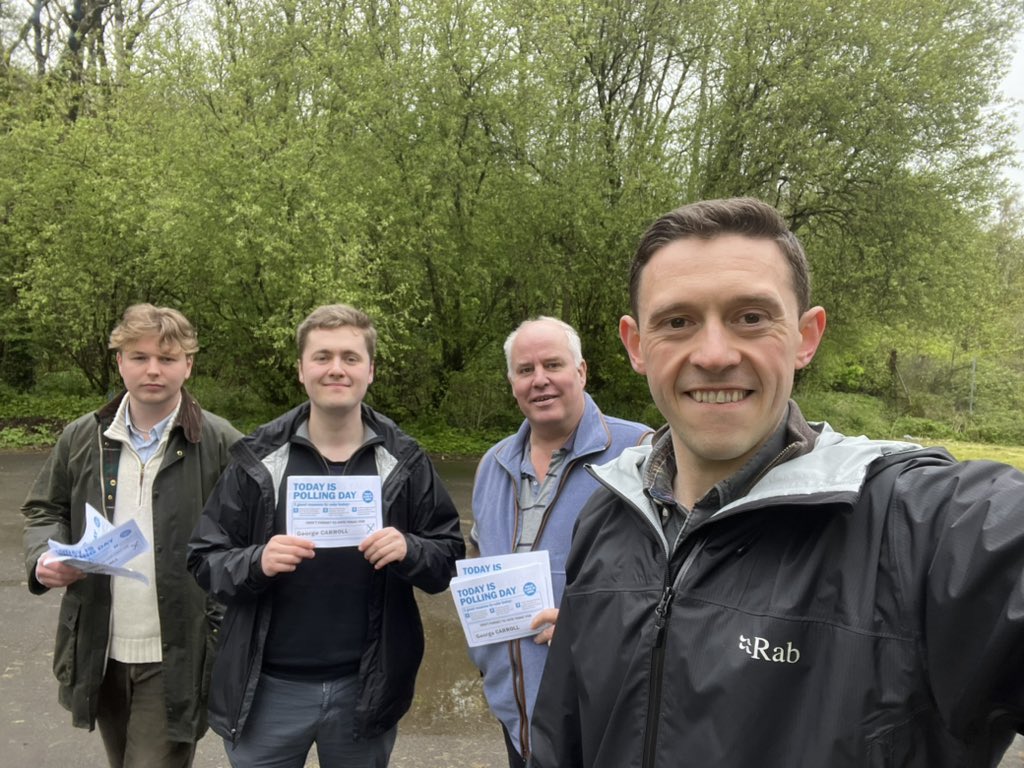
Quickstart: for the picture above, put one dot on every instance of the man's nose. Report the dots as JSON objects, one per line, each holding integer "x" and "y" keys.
{"x": 540, "y": 377}
{"x": 716, "y": 348}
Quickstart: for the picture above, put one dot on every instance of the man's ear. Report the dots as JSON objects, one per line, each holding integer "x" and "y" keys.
{"x": 298, "y": 368}
{"x": 630, "y": 335}
{"x": 812, "y": 328}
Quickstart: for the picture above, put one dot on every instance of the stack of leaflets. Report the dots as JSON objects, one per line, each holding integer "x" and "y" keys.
{"x": 497, "y": 597}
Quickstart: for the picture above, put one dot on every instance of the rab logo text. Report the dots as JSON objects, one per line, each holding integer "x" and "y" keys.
{"x": 760, "y": 648}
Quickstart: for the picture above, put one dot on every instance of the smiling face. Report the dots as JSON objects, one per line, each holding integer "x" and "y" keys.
{"x": 719, "y": 337}
{"x": 153, "y": 374}
{"x": 546, "y": 381}
{"x": 336, "y": 370}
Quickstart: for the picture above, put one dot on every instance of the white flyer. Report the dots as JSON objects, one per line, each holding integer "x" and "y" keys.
{"x": 333, "y": 510}
{"x": 104, "y": 547}
{"x": 498, "y": 597}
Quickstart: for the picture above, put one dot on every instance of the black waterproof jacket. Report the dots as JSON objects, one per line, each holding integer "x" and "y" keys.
{"x": 224, "y": 556}
{"x": 861, "y": 606}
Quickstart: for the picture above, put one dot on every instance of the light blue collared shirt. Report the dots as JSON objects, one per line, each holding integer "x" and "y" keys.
{"x": 143, "y": 445}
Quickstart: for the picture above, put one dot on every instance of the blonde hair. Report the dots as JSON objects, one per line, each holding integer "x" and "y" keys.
{"x": 169, "y": 325}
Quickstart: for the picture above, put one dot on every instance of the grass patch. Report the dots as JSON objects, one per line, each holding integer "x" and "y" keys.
{"x": 964, "y": 451}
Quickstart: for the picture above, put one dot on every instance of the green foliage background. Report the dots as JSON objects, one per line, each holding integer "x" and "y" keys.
{"x": 454, "y": 166}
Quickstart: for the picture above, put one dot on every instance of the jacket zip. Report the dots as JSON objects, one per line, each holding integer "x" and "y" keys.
{"x": 661, "y": 617}
{"x": 562, "y": 480}
{"x": 514, "y": 653}
{"x": 663, "y": 611}
{"x": 518, "y": 682}
{"x": 249, "y": 673}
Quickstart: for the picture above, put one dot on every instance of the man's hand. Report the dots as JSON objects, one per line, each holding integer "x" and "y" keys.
{"x": 55, "y": 574}
{"x": 384, "y": 546}
{"x": 547, "y": 616}
{"x": 282, "y": 554}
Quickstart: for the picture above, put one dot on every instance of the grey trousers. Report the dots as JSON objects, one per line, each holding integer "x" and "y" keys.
{"x": 288, "y": 717}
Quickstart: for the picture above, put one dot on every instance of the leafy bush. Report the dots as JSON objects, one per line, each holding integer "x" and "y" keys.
{"x": 13, "y": 438}
{"x": 445, "y": 441}
{"x": 63, "y": 383}
{"x": 848, "y": 413}
{"x": 237, "y": 403}
{"x": 1004, "y": 427}
{"x": 37, "y": 419}
{"x": 917, "y": 427}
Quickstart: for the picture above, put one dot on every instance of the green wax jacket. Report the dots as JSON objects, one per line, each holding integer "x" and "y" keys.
{"x": 82, "y": 468}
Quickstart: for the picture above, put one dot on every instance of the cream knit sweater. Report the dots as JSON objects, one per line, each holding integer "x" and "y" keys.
{"x": 134, "y": 618}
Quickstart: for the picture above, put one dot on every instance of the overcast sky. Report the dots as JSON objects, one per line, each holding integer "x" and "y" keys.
{"x": 1013, "y": 87}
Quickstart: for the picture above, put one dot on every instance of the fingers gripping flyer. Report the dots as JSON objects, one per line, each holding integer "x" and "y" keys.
{"x": 497, "y": 597}
{"x": 333, "y": 510}
{"x": 104, "y": 547}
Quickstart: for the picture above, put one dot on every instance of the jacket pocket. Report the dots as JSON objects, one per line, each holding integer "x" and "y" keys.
{"x": 67, "y": 640}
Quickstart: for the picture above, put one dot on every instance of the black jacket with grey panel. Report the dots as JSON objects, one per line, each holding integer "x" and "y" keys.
{"x": 226, "y": 546}
{"x": 861, "y": 606}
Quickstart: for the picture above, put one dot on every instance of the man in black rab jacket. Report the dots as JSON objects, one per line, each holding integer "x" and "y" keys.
{"x": 321, "y": 644}
{"x": 755, "y": 590}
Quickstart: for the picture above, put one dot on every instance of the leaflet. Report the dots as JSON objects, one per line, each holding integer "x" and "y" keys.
{"x": 497, "y": 597}
{"x": 333, "y": 510}
{"x": 104, "y": 547}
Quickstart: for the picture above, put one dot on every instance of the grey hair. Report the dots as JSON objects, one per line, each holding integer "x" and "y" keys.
{"x": 575, "y": 346}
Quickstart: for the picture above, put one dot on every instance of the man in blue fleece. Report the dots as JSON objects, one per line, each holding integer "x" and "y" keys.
{"x": 529, "y": 489}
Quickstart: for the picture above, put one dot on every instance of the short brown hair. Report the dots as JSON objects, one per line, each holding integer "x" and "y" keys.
{"x": 337, "y": 316}
{"x": 171, "y": 327}
{"x": 712, "y": 218}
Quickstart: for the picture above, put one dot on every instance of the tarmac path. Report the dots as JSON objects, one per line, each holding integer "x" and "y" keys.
{"x": 448, "y": 726}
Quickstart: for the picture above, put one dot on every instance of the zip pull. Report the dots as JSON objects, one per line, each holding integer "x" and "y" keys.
{"x": 661, "y": 615}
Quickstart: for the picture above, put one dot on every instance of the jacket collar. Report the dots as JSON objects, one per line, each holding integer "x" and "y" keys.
{"x": 592, "y": 436}
{"x": 271, "y": 436}
{"x": 190, "y": 415}
{"x": 822, "y": 461}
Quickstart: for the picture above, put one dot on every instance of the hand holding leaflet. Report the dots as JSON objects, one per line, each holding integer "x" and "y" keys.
{"x": 103, "y": 548}
{"x": 497, "y": 597}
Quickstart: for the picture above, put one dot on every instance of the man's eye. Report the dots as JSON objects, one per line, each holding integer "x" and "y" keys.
{"x": 677, "y": 322}
{"x": 751, "y": 318}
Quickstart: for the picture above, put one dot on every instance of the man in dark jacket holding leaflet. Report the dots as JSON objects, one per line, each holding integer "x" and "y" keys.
{"x": 755, "y": 590}
{"x": 322, "y": 644}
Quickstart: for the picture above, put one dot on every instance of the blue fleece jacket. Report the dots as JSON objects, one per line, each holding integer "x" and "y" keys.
{"x": 512, "y": 669}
